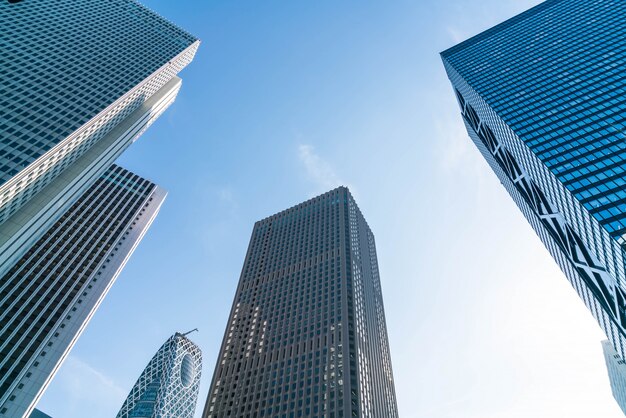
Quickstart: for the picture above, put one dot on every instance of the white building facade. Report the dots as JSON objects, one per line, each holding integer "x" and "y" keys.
{"x": 168, "y": 387}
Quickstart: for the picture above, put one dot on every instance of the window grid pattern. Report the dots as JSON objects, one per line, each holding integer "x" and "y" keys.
{"x": 547, "y": 85}
{"x": 289, "y": 349}
{"x": 68, "y": 75}
{"x": 47, "y": 296}
{"x": 616, "y": 367}
{"x": 568, "y": 101}
{"x": 601, "y": 293}
{"x": 376, "y": 387}
{"x": 168, "y": 386}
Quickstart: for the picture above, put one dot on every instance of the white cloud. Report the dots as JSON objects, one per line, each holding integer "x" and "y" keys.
{"x": 456, "y": 150}
{"x": 456, "y": 34}
{"x": 318, "y": 171}
{"x": 227, "y": 197}
{"x": 80, "y": 384}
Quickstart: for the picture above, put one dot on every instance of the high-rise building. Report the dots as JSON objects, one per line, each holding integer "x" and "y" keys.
{"x": 48, "y": 297}
{"x": 542, "y": 97}
{"x": 616, "y": 366}
{"x": 38, "y": 414}
{"x": 307, "y": 334}
{"x": 79, "y": 82}
{"x": 168, "y": 387}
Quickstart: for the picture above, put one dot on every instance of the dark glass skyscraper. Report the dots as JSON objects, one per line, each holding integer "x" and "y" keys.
{"x": 307, "y": 334}
{"x": 543, "y": 97}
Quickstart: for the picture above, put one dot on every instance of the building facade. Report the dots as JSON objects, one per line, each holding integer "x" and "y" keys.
{"x": 307, "y": 334}
{"x": 542, "y": 97}
{"x": 79, "y": 82}
{"x": 48, "y": 297}
{"x": 38, "y": 414}
{"x": 168, "y": 387}
{"x": 616, "y": 367}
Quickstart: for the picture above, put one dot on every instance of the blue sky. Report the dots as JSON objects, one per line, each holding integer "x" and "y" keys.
{"x": 286, "y": 100}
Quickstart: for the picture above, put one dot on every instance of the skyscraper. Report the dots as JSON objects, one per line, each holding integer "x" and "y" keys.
{"x": 38, "y": 414}
{"x": 48, "y": 297}
{"x": 542, "y": 97}
{"x": 616, "y": 367}
{"x": 168, "y": 386}
{"x": 307, "y": 334}
{"x": 79, "y": 82}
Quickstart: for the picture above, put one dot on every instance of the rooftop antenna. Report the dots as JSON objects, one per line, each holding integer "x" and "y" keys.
{"x": 189, "y": 332}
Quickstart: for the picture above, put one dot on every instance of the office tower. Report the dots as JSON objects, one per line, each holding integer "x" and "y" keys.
{"x": 50, "y": 294}
{"x": 616, "y": 366}
{"x": 168, "y": 386}
{"x": 79, "y": 82}
{"x": 542, "y": 97}
{"x": 307, "y": 334}
{"x": 38, "y": 414}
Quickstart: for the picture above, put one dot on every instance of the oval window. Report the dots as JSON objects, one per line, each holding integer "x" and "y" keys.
{"x": 187, "y": 372}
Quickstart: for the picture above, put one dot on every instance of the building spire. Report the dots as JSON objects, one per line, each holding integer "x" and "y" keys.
{"x": 189, "y": 332}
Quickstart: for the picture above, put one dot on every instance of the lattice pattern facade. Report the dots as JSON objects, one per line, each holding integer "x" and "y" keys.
{"x": 48, "y": 297}
{"x": 542, "y": 96}
{"x": 307, "y": 333}
{"x": 168, "y": 387}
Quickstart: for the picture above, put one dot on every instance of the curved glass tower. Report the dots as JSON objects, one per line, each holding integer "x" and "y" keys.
{"x": 169, "y": 385}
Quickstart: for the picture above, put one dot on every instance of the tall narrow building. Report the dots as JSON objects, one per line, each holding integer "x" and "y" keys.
{"x": 48, "y": 297}
{"x": 79, "y": 82}
{"x": 307, "y": 334}
{"x": 543, "y": 98}
{"x": 168, "y": 386}
{"x": 616, "y": 367}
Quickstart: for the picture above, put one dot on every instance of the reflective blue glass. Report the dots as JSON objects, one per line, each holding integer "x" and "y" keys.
{"x": 542, "y": 97}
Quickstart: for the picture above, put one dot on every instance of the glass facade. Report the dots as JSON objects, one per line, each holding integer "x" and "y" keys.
{"x": 168, "y": 387}
{"x": 70, "y": 72}
{"x": 616, "y": 367}
{"x": 542, "y": 96}
{"x": 80, "y": 81}
{"x": 49, "y": 295}
{"x": 307, "y": 333}
{"x": 38, "y": 414}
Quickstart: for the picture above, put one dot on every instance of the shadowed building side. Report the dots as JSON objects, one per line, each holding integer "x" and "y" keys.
{"x": 48, "y": 297}
{"x": 306, "y": 334}
{"x": 38, "y": 414}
